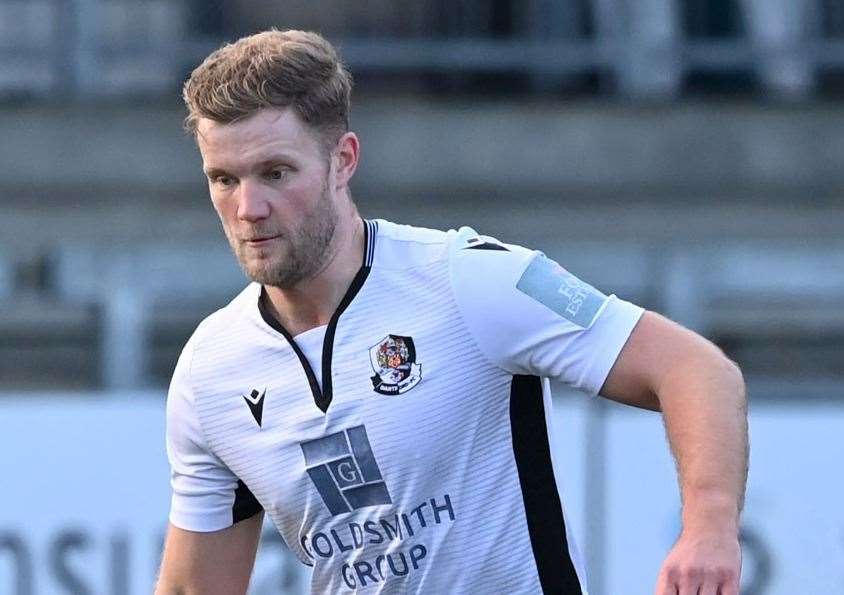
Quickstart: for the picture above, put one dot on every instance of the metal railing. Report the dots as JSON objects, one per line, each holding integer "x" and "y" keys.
{"x": 99, "y": 48}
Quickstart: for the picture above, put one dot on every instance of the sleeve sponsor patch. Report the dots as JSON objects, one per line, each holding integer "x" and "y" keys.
{"x": 558, "y": 290}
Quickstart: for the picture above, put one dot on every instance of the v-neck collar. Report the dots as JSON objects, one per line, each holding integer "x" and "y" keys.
{"x": 323, "y": 395}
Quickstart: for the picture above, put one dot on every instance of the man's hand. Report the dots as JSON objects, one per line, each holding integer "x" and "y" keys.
{"x": 702, "y": 563}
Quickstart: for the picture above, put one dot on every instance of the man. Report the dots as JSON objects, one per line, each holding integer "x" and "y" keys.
{"x": 381, "y": 391}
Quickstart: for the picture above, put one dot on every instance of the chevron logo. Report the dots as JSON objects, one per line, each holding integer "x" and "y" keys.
{"x": 256, "y": 405}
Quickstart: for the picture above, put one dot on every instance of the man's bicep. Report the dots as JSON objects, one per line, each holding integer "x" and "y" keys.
{"x": 653, "y": 348}
{"x": 217, "y": 562}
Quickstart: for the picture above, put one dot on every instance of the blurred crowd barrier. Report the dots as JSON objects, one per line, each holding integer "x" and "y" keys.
{"x": 738, "y": 291}
{"x": 87, "y": 509}
{"x": 641, "y": 48}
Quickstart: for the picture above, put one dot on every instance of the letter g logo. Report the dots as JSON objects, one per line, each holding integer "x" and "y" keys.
{"x": 347, "y": 472}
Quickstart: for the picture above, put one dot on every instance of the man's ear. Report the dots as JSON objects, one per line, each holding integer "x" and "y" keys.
{"x": 345, "y": 158}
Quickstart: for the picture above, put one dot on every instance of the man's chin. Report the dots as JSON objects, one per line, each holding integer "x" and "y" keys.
{"x": 258, "y": 270}
{"x": 267, "y": 275}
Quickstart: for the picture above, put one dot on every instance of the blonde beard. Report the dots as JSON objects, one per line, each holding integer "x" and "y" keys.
{"x": 306, "y": 250}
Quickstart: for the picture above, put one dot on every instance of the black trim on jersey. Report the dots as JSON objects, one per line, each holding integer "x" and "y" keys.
{"x": 275, "y": 324}
{"x": 245, "y": 504}
{"x": 328, "y": 340}
{"x": 487, "y": 246}
{"x": 322, "y": 396}
{"x": 543, "y": 510}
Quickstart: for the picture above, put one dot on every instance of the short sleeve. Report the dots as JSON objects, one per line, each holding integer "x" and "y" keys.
{"x": 529, "y": 315}
{"x": 206, "y": 495}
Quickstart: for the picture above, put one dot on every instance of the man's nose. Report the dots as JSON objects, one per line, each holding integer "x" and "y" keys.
{"x": 252, "y": 204}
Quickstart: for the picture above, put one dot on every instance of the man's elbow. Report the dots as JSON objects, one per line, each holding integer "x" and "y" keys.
{"x": 735, "y": 377}
{"x": 704, "y": 366}
{"x": 165, "y": 587}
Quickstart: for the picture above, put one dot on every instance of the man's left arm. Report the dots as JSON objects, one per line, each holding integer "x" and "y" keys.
{"x": 700, "y": 392}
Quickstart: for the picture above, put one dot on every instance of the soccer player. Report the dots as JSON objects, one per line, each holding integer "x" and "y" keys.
{"x": 382, "y": 391}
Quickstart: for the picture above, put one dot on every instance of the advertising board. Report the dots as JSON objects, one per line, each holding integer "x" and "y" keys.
{"x": 85, "y": 497}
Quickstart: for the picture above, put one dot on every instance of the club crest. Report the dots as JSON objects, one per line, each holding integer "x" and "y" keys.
{"x": 394, "y": 362}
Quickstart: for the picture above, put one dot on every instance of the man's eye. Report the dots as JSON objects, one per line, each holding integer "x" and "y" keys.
{"x": 223, "y": 180}
{"x": 277, "y": 174}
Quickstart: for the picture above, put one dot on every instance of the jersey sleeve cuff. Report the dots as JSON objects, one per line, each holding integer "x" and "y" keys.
{"x": 200, "y": 522}
{"x": 614, "y": 324}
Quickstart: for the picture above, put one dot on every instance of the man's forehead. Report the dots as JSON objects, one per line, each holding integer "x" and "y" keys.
{"x": 276, "y": 124}
{"x": 264, "y": 135}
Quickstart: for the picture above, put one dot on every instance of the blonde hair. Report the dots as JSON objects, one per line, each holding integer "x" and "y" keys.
{"x": 297, "y": 69}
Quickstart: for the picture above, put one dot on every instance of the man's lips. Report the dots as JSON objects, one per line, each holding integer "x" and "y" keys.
{"x": 258, "y": 241}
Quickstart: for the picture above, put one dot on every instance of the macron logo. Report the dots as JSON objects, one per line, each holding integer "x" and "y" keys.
{"x": 256, "y": 405}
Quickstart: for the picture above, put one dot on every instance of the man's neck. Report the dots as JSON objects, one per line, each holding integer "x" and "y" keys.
{"x": 312, "y": 302}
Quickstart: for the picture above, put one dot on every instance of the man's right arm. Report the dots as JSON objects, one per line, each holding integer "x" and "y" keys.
{"x": 215, "y": 522}
{"x": 217, "y": 562}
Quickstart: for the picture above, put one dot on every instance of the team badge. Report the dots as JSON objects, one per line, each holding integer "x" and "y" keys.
{"x": 394, "y": 362}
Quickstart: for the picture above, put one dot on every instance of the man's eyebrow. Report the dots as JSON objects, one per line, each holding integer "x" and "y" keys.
{"x": 271, "y": 160}
{"x": 213, "y": 171}
{"x": 274, "y": 160}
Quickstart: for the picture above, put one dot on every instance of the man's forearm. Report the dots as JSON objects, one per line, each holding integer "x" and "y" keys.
{"x": 701, "y": 396}
{"x": 705, "y": 413}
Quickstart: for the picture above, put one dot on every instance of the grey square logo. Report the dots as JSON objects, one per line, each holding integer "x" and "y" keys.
{"x": 344, "y": 471}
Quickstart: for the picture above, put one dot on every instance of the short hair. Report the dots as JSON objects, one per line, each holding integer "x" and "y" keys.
{"x": 297, "y": 69}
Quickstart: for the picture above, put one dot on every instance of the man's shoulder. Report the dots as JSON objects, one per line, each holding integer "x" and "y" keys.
{"x": 474, "y": 256}
{"x": 401, "y": 232}
{"x": 215, "y": 331}
{"x": 233, "y": 318}
{"x": 405, "y": 245}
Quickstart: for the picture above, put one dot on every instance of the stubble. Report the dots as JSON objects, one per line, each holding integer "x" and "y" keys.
{"x": 304, "y": 253}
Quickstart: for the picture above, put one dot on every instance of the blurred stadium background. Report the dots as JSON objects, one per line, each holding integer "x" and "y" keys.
{"x": 684, "y": 154}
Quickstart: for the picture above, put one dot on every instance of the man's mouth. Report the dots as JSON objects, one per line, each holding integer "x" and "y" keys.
{"x": 260, "y": 240}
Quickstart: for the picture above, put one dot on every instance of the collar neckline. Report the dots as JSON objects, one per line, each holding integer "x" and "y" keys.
{"x": 323, "y": 395}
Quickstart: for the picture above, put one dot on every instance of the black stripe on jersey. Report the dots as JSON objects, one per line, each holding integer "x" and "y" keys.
{"x": 543, "y": 509}
{"x": 322, "y": 396}
{"x": 275, "y": 324}
{"x": 372, "y": 230}
{"x": 328, "y": 341}
{"x": 487, "y": 246}
{"x": 245, "y": 504}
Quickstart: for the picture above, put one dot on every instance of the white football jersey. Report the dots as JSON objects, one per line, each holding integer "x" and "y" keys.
{"x": 403, "y": 447}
